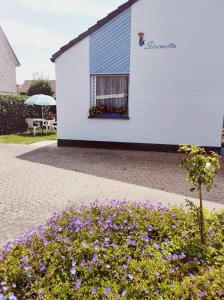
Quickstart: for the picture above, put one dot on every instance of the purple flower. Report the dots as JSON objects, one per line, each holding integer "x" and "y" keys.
{"x": 27, "y": 268}
{"x": 219, "y": 293}
{"x": 113, "y": 245}
{"x": 145, "y": 239}
{"x": 131, "y": 277}
{"x": 3, "y": 283}
{"x": 201, "y": 294}
{"x": 107, "y": 240}
{"x": 175, "y": 256}
{"x": 166, "y": 241}
{"x": 107, "y": 291}
{"x": 192, "y": 275}
{"x": 124, "y": 293}
{"x": 158, "y": 274}
{"x": 182, "y": 256}
{"x": 94, "y": 290}
{"x": 73, "y": 264}
{"x": 212, "y": 232}
{"x": 156, "y": 246}
{"x": 131, "y": 242}
{"x": 84, "y": 244}
{"x": 12, "y": 297}
{"x": 42, "y": 267}
{"x": 2, "y": 297}
{"x": 123, "y": 267}
{"x": 41, "y": 294}
{"x": 78, "y": 283}
{"x": 156, "y": 292}
{"x": 73, "y": 271}
{"x": 150, "y": 229}
{"x": 24, "y": 259}
{"x": 91, "y": 231}
{"x": 95, "y": 258}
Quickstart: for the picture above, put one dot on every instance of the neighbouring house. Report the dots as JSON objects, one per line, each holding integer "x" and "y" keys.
{"x": 8, "y": 64}
{"x": 150, "y": 75}
{"x": 27, "y": 83}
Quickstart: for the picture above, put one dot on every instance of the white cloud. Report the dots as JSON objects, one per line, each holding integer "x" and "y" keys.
{"x": 95, "y": 8}
{"x": 26, "y": 34}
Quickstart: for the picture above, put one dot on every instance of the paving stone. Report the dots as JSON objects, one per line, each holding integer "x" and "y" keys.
{"x": 36, "y": 181}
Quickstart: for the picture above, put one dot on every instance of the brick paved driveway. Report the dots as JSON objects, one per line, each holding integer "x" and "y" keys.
{"x": 150, "y": 169}
{"x": 35, "y": 182}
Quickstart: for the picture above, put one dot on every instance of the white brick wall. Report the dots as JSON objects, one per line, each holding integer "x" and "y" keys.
{"x": 176, "y": 95}
{"x": 7, "y": 67}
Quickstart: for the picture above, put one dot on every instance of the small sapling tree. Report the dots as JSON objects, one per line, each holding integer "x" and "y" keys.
{"x": 201, "y": 168}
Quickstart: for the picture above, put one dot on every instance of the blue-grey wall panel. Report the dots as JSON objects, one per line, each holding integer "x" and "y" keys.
{"x": 110, "y": 46}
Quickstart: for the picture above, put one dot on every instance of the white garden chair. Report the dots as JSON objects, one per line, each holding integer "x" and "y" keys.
{"x": 47, "y": 125}
{"x": 32, "y": 128}
{"x": 54, "y": 125}
{"x": 50, "y": 125}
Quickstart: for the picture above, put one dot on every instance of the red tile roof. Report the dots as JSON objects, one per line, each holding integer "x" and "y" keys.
{"x": 94, "y": 28}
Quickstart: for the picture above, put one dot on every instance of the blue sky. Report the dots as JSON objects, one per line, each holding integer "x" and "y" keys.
{"x": 38, "y": 28}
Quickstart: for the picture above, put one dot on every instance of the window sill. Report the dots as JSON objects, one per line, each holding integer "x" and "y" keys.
{"x": 110, "y": 117}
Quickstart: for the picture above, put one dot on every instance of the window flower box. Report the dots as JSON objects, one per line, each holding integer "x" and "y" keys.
{"x": 109, "y": 116}
{"x": 108, "y": 112}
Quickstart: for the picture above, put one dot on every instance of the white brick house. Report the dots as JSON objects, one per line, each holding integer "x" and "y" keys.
{"x": 8, "y": 64}
{"x": 157, "y": 65}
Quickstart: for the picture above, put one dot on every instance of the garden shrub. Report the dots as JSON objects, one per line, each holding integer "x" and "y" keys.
{"x": 119, "y": 251}
{"x": 40, "y": 87}
{"x": 12, "y": 118}
{"x": 13, "y": 113}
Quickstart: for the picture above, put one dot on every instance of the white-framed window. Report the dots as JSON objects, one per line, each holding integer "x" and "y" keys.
{"x": 109, "y": 95}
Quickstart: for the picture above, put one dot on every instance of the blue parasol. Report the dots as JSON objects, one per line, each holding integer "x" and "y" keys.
{"x": 41, "y": 100}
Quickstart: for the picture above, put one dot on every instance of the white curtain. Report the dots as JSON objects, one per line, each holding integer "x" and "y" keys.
{"x": 112, "y": 90}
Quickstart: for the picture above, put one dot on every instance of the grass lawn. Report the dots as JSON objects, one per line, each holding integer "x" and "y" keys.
{"x": 25, "y": 138}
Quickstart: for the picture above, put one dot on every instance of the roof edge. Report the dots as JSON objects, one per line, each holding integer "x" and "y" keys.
{"x": 92, "y": 29}
{"x": 10, "y": 47}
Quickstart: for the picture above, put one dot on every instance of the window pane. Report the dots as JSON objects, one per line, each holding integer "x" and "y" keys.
{"x": 112, "y": 91}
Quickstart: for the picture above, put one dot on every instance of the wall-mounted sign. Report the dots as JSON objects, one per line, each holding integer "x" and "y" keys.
{"x": 153, "y": 45}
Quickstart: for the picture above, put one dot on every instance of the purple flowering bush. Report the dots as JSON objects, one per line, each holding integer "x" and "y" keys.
{"x": 119, "y": 251}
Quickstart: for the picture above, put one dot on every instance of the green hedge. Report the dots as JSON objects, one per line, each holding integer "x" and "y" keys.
{"x": 13, "y": 113}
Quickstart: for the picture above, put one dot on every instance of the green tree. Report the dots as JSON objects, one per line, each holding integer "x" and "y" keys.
{"x": 201, "y": 168}
{"x": 40, "y": 85}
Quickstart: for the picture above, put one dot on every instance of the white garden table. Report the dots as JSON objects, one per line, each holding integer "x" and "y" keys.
{"x": 43, "y": 122}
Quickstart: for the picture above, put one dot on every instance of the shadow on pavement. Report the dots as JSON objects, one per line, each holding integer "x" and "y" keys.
{"x": 150, "y": 169}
